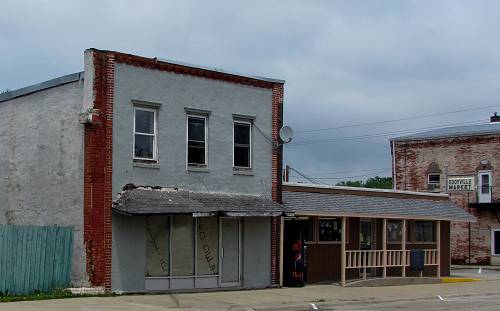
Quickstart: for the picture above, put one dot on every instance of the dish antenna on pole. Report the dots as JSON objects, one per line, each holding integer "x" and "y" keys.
{"x": 286, "y": 135}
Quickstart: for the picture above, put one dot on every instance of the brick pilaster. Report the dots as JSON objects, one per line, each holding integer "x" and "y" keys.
{"x": 277, "y": 164}
{"x": 98, "y": 157}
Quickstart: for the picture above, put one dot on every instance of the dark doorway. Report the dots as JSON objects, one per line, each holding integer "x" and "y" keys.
{"x": 297, "y": 232}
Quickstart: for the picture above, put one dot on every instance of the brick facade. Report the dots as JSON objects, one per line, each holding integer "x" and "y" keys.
{"x": 454, "y": 156}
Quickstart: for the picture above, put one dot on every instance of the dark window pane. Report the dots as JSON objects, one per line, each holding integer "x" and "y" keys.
{"x": 394, "y": 231}
{"x": 242, "y": 156}
{"x": 496, "y": 242}
{"x": 330, "y": 230}
{"x": 144, "y": 121}
{"x": 424, "y": 231}
{"x": 196, "y": 155}
{"x": 433, "y": 178}
{"x": 485, "y": 183}
{"x": 196, "y": 129}
{"x": 143, "y": 146}
{"x": 242, "y": 133}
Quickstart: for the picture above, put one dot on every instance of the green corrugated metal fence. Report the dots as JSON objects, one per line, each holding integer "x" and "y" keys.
{"x": 34, "y": 258}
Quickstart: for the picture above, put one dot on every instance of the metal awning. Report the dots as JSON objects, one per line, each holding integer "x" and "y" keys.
{"x": 157, "y": 200}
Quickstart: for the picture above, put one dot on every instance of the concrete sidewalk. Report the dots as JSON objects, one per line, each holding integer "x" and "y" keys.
{"x": 325, "y": 296}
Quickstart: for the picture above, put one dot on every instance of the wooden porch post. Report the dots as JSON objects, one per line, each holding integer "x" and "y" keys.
{"x": 438, "y": 246}
{"x": 384, "y": 247}
{"x": 342, "y": 253}
{"x": 403, "y": 248}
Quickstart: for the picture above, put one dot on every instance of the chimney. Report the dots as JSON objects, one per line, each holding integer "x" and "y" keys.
{"x": 495, "y": 118}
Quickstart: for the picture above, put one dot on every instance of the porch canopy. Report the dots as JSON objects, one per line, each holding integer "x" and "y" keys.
{"x": 401, "y": 206}
{"x": 161, "y": 200}
{"x": 374, "y": 203}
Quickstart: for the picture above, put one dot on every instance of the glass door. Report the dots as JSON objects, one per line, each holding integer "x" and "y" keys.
{"x": 484, "y": 187}
{"x": 366, "y": 239}
{"x": 230, "y": 251}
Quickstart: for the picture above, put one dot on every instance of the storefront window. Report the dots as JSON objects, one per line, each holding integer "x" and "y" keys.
{"x": 330, "y": 229}
{"x": 394, "y": 230}
{"x": 424, "y": 231}
{"x": 207, "y": 245}
{"x": 157, "y": 239}
{"x": 182, "y": 245}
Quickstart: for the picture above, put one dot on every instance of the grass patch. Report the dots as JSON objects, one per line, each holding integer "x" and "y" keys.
{"x": 55, "y": 294}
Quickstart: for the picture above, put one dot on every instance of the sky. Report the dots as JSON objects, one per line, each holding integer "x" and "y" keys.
{"x": 345, "y": 63}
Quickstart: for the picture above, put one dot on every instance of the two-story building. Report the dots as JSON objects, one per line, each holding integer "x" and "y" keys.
{"x": 464, "y": 162}
{"x": 169, "y": 173}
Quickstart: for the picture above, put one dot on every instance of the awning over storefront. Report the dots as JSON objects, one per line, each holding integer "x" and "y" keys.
{"x": 351, "y": 202}
{"x": 159, "y": 200}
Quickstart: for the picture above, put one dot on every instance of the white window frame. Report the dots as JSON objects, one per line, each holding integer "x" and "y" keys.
{"x": 250, "y": 123}
{"x": 187, "y": 140}
{"x": 154, "y": 135}
{"x": 433, "y": 183}
{"x": 493, "y": 242}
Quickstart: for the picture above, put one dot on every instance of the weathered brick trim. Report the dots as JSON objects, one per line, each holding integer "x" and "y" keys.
{"x": 153, "y": 63}
{"x": 98, "y": 157}
{"x": 277, "y": 164}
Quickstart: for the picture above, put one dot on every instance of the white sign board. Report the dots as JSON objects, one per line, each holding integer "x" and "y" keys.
{"x": 461, "y": 183}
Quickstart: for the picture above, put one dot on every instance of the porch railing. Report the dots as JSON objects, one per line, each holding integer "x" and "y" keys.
{"x": 375, "y": 258}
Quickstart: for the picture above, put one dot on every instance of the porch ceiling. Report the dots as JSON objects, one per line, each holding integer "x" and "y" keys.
{"x": 323, "y": 204}
{"x": 158, "y": 200}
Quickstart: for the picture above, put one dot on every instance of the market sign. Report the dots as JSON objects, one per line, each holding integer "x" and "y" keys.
{"x": 461, "y": 183}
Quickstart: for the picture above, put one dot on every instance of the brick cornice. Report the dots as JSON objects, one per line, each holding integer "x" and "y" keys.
{"x": 156, "y": 64}
{"x": 448, "y": 141}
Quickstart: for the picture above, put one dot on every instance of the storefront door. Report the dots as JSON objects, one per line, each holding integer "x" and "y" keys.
{"x": 230, "y": 237}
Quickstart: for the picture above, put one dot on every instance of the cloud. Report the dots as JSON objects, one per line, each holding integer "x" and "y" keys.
{"x": 344, "y": 62}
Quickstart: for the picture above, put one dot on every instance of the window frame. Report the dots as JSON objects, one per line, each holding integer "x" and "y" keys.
{"x": 205, "y": 118}
{"x": 250, "y": 123}
{"x": 154, "y": 135}
{"x": 493, "y": 242}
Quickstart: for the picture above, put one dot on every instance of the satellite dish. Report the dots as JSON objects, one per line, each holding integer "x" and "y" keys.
{"x": 286, "y": 134}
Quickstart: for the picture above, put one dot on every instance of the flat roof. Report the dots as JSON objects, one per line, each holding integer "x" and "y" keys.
{"x": 224, "y": 71}
{"x": 455, "y": 131}
{"x": 42, "y": 86}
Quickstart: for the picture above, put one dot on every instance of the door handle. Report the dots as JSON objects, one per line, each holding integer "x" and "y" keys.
{"x": 222, "y": 252}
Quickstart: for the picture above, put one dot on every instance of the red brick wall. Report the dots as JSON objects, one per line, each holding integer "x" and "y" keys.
{"x": 455, "y": 156}
{"x": 97, "y": 175}
{"x": 277, "y": 165}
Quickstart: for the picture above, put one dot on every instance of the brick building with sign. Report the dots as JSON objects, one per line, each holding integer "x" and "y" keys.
{"x": 463, "y": 161}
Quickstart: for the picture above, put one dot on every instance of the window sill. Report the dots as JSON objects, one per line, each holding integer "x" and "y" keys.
{"x": 198, "y": 169}
{"x": 243, "y": 171}
{"x": 143, "y": 164}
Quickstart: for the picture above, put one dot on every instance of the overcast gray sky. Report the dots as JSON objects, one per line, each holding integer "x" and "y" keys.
{"x": 344, "y": 62}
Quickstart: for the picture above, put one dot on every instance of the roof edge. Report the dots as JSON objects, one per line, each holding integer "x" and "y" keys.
{"x": 164, "y": 61}
{"x": 299, "y": 187}
{"x": 41, "y": 86}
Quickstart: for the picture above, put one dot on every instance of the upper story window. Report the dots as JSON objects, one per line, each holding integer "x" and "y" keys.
{"x": 197, "y": 140}
{"x": 242, "y": 144}
{"x": 433, "y": 179}
{"x": 145, "y": 133}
